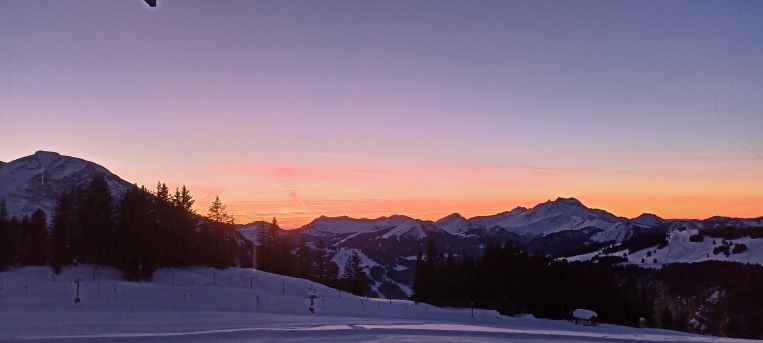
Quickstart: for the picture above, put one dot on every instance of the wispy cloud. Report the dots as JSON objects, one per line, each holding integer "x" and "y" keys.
{"x": 433, "y": 68}
{"x": 760, "y": 156}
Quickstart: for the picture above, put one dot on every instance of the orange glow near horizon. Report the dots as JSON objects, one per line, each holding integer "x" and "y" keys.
{"x": 297, "y": 193}
{"x": 297, "y": 110}
{"x": 684, "y": 208}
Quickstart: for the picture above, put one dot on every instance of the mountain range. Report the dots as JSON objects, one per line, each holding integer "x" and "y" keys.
{"x": 563, "y": 228}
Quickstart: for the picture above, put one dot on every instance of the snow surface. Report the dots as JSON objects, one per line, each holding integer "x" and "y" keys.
{"x": 553, "y": 216}
{"x": 584, "y": 314}
{"x": 647, "y": 220}
{"x": 36, "y": 181}
{"x": 345, "y": 225}
{"x": 454, "y": 223}
{"x": 341, "y": 256}
{"x": 208, "y": 305}
{"x": 406, "y": 230}
{"x": 681, "y": 250}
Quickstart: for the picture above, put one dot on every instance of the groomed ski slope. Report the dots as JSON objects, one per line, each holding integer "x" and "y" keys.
{"x": 208, "y": 305}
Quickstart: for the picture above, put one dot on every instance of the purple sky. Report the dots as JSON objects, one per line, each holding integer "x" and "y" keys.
{"x": 300, "y": 108}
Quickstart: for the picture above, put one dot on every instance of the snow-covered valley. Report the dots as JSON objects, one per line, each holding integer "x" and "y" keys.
{"x": 209, "y": 305}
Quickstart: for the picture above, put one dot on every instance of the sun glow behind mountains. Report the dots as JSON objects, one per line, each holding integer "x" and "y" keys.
{"x": 296, "y": 193}
{"x": 302, "y": 109}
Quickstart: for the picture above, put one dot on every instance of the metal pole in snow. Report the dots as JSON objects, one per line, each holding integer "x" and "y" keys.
{"x": 251, "y": 282}
{"x": 283, "y": 287}
{"x": 214, "y": 278}
{"x": 76, "y": 298}
{"x": 173, "y": 278}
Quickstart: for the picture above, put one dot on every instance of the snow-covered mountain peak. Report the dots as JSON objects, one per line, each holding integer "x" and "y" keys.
{"x": 648, "y": 220}
{"x": 46, "y": 156}
{"x": 346, "y": 225}
{"x": 36, "y": 181}
{"x": 452, "y": 216}
{"x": 560, "y": 205}
{"x": 549, "y": 217}
{"x": 568, "y": 201}
{"x": 454, "y": 223}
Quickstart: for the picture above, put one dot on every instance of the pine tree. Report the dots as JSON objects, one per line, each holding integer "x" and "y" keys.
{"x": 424, "y": 283}
{"x": 304, "y": 260}
{"x": 61, "y": 253}
{"x": 267, "y": 251}
{"x": 419, "y": 283}
{"x": 162, "y": 192}
{"x": 34, "y": 239}
{"x": 77, "y": 234}
{"x": 218, "y": 212}
{"x": 183, "y": 199}
{"x": 354, "y": 277}
{"x": 163, "y": 228}
{"x": 40, "y": 235}
{"x": 7, "y": 238}
{"x": 321, "y": 267}
{"x": 182, "y": 230}
{"x": 96, "y": 215}
{"x": 450, "y": 289}
{"x": 136, "y": 247}
{"x": 282, "y": 256}
{"x": 218, "y": 238}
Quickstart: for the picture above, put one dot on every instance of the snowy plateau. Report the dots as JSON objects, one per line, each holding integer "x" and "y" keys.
{"x": 245, "y": 305}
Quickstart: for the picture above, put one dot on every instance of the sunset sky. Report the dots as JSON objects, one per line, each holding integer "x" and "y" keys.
{"x": 297, "y": 109}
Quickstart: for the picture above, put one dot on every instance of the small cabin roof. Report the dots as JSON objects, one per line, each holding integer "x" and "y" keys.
{"x": 584, "y": 314}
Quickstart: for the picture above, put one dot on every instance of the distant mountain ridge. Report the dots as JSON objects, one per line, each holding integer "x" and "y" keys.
{"x": 561, "y": 228}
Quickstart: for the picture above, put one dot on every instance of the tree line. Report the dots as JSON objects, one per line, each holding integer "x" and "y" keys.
{"x": 149, "y": 229}
{"x": 510, "y": 280}
{"x": 276, "y": 252}
{"x": 137, "y": 233}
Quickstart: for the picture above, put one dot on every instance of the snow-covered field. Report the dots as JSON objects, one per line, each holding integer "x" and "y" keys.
{"x": 208, "y": 305}
{"x": 681, "y": 250}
